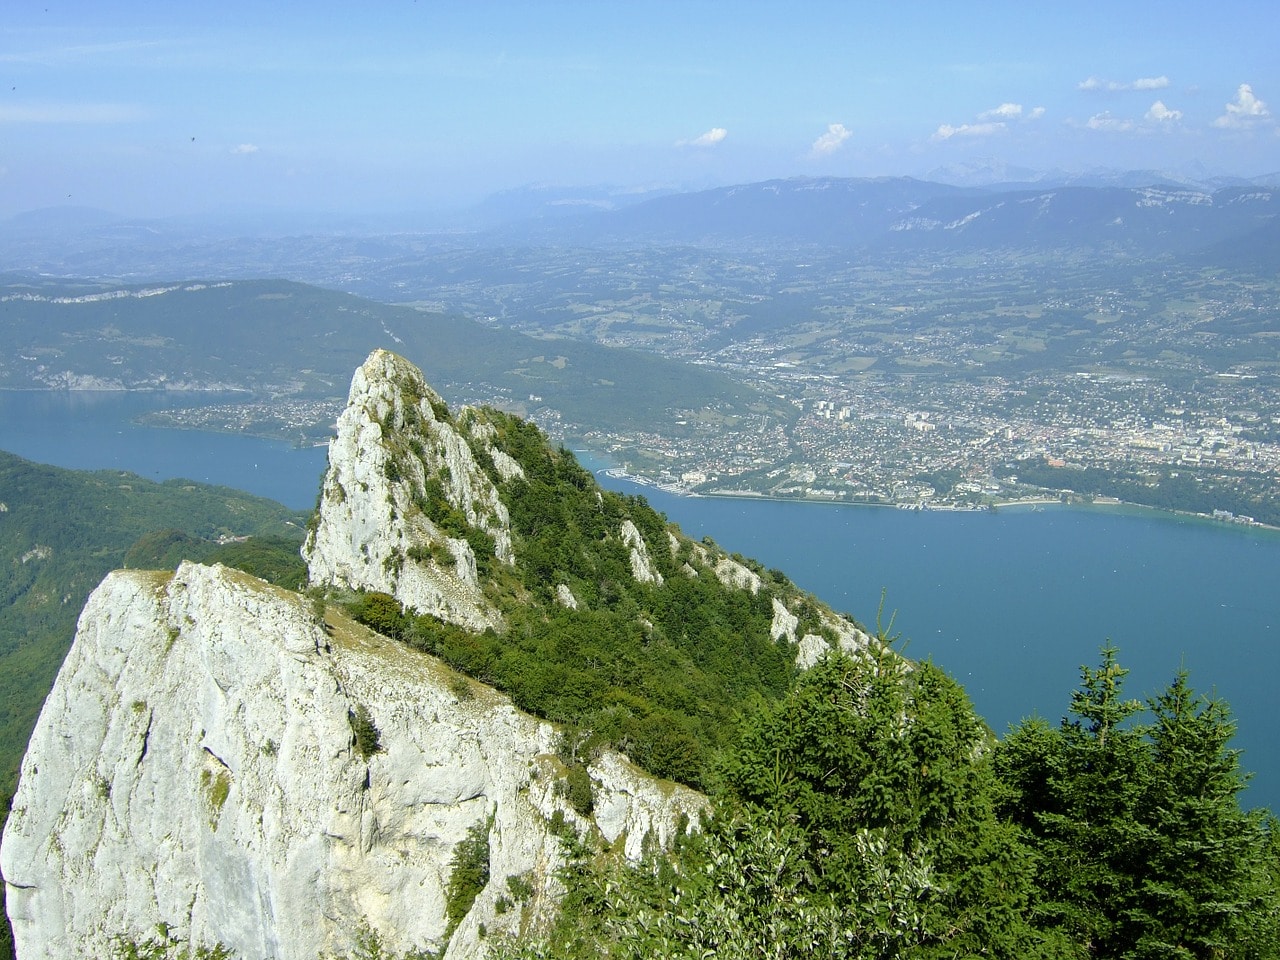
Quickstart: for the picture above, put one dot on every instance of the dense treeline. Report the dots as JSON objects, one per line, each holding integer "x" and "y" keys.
{"x": 273, "y": 558}
{"x": 1172, "y": 490}
{"x": 1143, "y": 850}
{"x": 867, "y": 815}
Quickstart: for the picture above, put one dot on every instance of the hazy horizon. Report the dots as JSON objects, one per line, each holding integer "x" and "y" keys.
{"x": 176, "y": 110}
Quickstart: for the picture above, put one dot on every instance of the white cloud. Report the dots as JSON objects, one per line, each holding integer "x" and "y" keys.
{"x": 1115, "y": 86}
{"x": 1006, "y": 111}
{"x": 1106, "y": 122}
{"x": 70, "y": 113}
{"x": 947, "y": 131}
{"x": 832, "y": 140}
{"x": 709, "y": 139}
{"x": 996, "y": 120}
{"x": 1159, "y": 113}
{"x": 245, "y": 148}
{"x": 1245, "y": 110}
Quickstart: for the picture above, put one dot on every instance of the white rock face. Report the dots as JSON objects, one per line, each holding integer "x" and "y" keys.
{"x": 812, "y": 647}
{"x": 194, "y": 766}
{"x": 565, "y": 597}
{"x": 642, "y": 566}
{"x": 733, "y": 574}
{"x": 372, "y": 532}
{"x": 784, "y": 622}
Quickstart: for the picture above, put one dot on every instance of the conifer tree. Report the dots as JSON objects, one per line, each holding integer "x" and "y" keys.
{"x": 1141, "y": 845}
{"x": 1204, "y": 879}
{"x": 884, "y": 768}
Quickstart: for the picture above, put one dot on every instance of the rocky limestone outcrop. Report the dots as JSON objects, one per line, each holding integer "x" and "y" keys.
{"x": 195, "y": 765}
{"x": 402, "y": 491}
{"x": 784, "y": 622}
{"x": 642, "y": 565}
{"x": 565, "y": 597}
{"x": 837, "y": 633}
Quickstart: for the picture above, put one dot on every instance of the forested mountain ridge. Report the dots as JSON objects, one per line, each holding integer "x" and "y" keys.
{"x": 273, "y": 340}
{"x": 1139, "y": 214}
{"x": 915, "y": 216}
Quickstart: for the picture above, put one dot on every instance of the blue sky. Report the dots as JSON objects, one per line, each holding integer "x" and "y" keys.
{"x": 157, "y": 108}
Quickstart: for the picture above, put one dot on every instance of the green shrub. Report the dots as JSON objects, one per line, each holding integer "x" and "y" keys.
{"x": 520, "y": 887}
{"x": 577, "y": 788}
{"x": 364, "y": 732}
{"x": 468, "y": 873}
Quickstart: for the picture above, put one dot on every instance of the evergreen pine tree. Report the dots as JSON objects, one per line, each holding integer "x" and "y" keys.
{"x": 1078, "y": 793}
{"x": 1203, "y": 879}
{"x": 1142, "y": 849}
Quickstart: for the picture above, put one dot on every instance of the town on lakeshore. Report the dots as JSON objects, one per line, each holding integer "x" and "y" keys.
{"x": 945, "y": 445}
{"x": 1010, "y": 368}
{"x": 962, "y": 445}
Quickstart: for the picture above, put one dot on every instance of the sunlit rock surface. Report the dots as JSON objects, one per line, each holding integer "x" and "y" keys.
{"x": 195, "y": 766}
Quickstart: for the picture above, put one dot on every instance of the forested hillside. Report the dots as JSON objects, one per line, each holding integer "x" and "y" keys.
{"x": 868, "y": 815}
{"x": 271, "y": 338}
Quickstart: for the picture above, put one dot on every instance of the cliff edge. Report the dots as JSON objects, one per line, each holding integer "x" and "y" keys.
{"x": 196, "y": 767}
{"x": 246, "y": 766}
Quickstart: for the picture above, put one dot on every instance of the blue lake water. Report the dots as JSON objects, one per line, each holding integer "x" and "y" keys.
{"x": 87, "y": 430}
{"x": 1010, "y": 603}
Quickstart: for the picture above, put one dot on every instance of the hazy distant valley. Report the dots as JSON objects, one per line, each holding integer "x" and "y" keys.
{"x": 888, "y": 341}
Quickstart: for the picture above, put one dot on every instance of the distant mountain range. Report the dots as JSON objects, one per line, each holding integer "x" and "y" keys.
{"x": 1137, "y": 214}
{"x": 909, "y": 215}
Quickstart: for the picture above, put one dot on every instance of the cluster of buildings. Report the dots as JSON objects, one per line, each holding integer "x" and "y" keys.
{"x": 958, "y": 443}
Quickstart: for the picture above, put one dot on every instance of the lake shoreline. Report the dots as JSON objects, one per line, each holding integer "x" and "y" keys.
{"x": 1031, "y": 503}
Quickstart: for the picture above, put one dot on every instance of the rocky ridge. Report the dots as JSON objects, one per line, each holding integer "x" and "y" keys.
{"x": 195, "y": 766}
{"x": 396, "y": 445}
{"x": 199, "y": 764}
